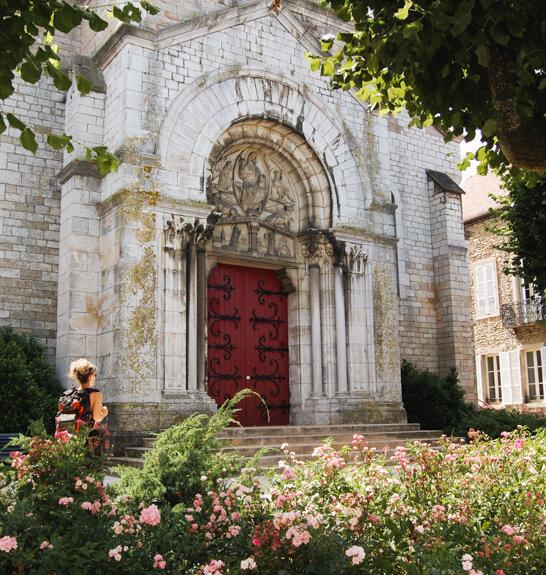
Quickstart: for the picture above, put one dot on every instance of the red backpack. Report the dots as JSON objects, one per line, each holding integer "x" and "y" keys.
{"x": 74, "y": 409}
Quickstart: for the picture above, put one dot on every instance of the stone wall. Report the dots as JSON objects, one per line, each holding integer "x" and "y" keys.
{"x": 490, "y": 334}
{"x": 30, "y": 202}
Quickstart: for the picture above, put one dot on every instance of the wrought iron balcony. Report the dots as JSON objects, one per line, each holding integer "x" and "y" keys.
{"x": 523, "y": 313}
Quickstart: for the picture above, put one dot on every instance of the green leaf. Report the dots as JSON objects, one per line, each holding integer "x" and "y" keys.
{"x": 2, "y": 124}
{"x": 461, "y": 20}
{"x": 96, "y": 23}
{"x": 482, "y": 52}
{"x": 327, "y": 68}
{"x": 6, "y": 88}
{"x": 403, "y": 13}
{"x": 14, "y": 122}
{"x": 500, "y": 36}
{"x": 412, "y": 30}
{"x": 326, "y": 43}
{"x": 105, "y": 161}
{"x": 84, "y": 84}
{"x": 62, "y": 81}
{"x": 28, "y": 140}
{"x": 60, "y": 142}
{"x": 30, "y": 72}
{"x": 66, "y": 17}
{"x": 489, "y": 128}
{"x": 150, "y": 8}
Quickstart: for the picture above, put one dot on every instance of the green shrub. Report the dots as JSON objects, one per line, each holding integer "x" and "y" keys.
{"x": 434, "y": 401}
{"x": 449, "y": 509}
{"x": 184, "y": 459}
{"x": 438, "y": 402}
{"x": 494, "y": 421}
{"x": 28, "y": 389}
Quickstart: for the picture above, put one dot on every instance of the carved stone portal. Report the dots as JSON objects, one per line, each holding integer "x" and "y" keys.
{"x": 258, "y": 201}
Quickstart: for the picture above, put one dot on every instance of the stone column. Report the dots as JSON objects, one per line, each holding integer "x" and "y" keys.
{"x": 192, "y": 314}
{"x": 360, "y": 349}
{"x": 185, "y": 301}
{"x": 201, "y": 318}
{"x": 341, "y": 334}
{"x": 316, "y": 339}
{"x": 174, "y": 358}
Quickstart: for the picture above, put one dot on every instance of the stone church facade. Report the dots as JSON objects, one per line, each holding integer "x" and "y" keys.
{"x": 262, "y": 231}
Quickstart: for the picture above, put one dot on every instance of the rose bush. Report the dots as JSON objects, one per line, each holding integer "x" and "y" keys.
{"x": 455, "y": 509}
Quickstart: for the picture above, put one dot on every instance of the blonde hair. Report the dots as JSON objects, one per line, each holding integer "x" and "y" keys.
{"x": 81, "y": 370}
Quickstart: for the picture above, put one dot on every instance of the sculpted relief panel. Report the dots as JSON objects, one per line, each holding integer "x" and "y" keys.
{"x": 258, "y": 203}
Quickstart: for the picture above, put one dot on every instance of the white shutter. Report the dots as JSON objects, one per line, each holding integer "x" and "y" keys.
{"x": 515, "y": 377}
{"x": 543, "y": 358}
{"x": 506, "y": 381}
{"x": 479, "y": 381}
{"x": 491, "y": 289}
{"x": 481, "y": 295}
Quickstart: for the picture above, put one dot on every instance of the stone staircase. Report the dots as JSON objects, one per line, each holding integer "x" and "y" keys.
{"x": 301, "y": 439}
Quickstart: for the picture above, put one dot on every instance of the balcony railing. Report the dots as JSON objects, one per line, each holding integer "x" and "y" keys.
{"x": 523, "y": 313}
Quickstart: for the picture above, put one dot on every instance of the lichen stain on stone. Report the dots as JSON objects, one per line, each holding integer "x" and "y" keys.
{"x": 373, "y": 164}
{"x": 386, "y": 332}
{"x": 140, "y": 282}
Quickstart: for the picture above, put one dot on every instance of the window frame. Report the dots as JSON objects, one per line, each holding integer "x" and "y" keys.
{"x": 538, "y": 369}
{"x": 497, "y": 378}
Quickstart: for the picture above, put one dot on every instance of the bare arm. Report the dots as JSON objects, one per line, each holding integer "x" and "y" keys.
{"x": 98, "y": 410}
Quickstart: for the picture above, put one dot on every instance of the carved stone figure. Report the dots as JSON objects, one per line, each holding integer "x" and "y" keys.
{"x": 252, "y": 186}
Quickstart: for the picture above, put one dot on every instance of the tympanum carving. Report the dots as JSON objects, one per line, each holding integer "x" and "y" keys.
{"x": 248, "y": 183}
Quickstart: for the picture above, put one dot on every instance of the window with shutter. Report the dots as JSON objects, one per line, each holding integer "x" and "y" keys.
{"x": 506, "y": 381}
{"x": 515, "y": 377}
{"x": 492, "y": 371}
{"x": 487, "y": 303}
{"x": 535, "y": 372}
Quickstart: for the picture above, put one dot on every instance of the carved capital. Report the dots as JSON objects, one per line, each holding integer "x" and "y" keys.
{"x": 312, "y": 246}
{"x": 180, "y": 231}
{"x": 355, "y": 259}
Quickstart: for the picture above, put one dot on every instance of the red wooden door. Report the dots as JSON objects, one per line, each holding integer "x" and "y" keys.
{"x": 248, "y": 342}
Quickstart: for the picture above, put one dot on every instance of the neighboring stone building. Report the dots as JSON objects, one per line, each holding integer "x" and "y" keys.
{"x": 262, "y": 231}
{"x": 510, "y": 340}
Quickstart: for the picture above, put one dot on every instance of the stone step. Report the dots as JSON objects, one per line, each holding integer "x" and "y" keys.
{"x": 322, "y": 430}
{"x": 301, "y": 439}
{"x": 123, "y": 460}
{"x": 303, "y": 445}
{"x": 317, "y": 439}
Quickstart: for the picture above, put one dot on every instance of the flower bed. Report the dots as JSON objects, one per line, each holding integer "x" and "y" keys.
{"x": 475, "y": 509}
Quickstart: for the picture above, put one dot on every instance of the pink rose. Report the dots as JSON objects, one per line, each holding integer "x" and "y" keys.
{"x": 356, "y": 554}
{"x": 62, "y": 436}
{"x": 65, "y": 501}
{"x": 159, "y": 562}
{"x": 508, "y": 530}
{"x": 8, "y": 543}
{"x": 150, "y": 515}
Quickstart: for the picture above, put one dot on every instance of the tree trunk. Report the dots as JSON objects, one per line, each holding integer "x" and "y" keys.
{"x": 522, "y": 140}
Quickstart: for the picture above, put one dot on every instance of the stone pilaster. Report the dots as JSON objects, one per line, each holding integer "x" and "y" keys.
{"x": 451, "y": 279}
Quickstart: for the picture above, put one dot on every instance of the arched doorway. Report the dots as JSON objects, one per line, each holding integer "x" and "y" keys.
{"x": 272, "y": 192}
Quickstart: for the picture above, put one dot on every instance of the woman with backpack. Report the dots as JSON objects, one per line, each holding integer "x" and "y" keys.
{"x": 82, "y": 405}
